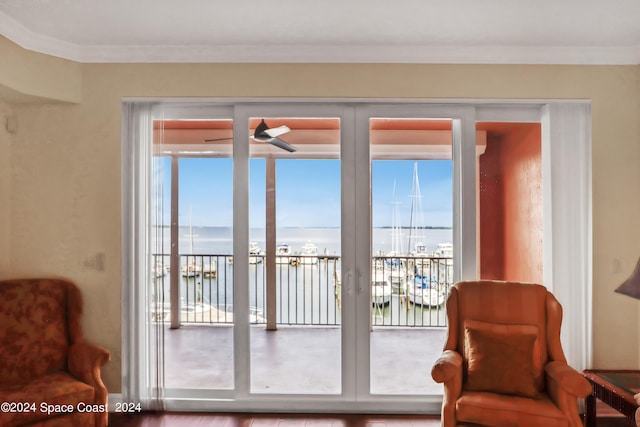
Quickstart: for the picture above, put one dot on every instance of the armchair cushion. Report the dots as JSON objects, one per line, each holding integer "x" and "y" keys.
{"x": 500, "y": 358}
{"x": 57, "y": 388}
{"x": 489, "y": 409}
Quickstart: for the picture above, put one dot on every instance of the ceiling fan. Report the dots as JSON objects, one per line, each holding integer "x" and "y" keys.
{"x": 265, "y": 134}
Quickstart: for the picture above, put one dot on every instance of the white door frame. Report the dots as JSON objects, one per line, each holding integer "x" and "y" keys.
{"x": 464, "y": 215}
{"x": 566, "y": 141}
{"x": 243, "y": 113}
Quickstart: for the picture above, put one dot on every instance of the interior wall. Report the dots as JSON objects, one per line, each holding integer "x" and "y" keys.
{"x": 491, "y": 199}
{"x": 35, "y": 77}
{"x": 6, "y": 112}
{"x": 511, "y": 204}
{"x": 521, "y": 163}
{"x": 65, "y": 187}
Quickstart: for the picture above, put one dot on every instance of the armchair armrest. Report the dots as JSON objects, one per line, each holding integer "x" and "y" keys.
{"x": 447, "y": 367}
{"x": 85, "y": 361}
{"x": 568, "y": 379}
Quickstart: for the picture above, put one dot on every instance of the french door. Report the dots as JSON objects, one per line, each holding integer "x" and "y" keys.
{"x": 297, "y": 205}
{"x": 320, "y": 313}
{"x": 343, "y": 149}
{"x": 400, "y": 317}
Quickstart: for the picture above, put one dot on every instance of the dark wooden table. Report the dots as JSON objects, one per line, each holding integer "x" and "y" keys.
{"x": 616, "y": 388}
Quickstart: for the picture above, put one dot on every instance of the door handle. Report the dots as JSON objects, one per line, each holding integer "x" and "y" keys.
{"x": 359, "y": 274}
{"x": 348, "y": 278}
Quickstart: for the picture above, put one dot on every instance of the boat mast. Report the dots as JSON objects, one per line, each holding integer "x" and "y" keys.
{"x": 416, "y": 220}
{"x": 396, "y": 233}
{"x": 190, "y": 230}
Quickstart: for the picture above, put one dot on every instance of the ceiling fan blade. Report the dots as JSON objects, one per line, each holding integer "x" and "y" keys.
{"x": 216, "y": 139}
{"x": 281, "y": 144}
{"x": 276, "y": 132}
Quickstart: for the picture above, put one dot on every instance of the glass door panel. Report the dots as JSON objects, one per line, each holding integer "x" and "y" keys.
{"x": 294, "y": 259}
{"x": 412, "y": 251}
{"x": 192, "y": 275}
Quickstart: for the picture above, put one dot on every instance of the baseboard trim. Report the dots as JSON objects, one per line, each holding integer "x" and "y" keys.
{"x": 114, "y": 400}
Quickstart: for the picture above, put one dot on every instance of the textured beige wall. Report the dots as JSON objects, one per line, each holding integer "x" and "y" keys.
{"x": 5, "y": 188}
{"x": 35, "y": 75}
{"x": 65, "y": 198}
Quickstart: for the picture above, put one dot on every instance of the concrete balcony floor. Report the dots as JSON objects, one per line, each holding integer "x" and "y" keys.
{"x": 301, "y": 360}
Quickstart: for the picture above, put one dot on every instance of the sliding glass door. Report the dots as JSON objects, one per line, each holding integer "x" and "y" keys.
{"x": 412, "y": 267}
{"x": 293, "y": 204}
{"x": 297, "y": 254}
{"x": 295, "y": 238}
{"x": 192, "y": 241}
{"x": 409, "y": 250}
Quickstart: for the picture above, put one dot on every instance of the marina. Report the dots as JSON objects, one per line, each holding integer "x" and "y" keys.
{"x": 407, "y": 287}
{"x": 405, "y": 290}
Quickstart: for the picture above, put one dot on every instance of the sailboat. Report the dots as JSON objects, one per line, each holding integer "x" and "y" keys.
{"x": 396, "y": 231}
{"x": 416, "y": 218}
{"x": 423, "y": 289}
{"x": 418, "y": 250}
{"x": 394, "y": 265}
{"x": 191, "y": 268}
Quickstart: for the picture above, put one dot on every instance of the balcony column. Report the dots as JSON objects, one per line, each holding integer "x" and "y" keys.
{"x": 271, "y": 243}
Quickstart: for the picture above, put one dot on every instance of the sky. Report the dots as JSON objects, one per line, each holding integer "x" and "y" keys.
{"x": 307, "y": 191}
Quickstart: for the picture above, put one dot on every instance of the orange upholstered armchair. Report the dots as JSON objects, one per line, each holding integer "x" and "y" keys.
{"x": 503, "y": 363}
{"x": 49, "y": 374}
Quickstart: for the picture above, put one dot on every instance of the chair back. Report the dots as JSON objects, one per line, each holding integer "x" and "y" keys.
{"x": 505, "y": 306}
{"x": 39, "y": 319}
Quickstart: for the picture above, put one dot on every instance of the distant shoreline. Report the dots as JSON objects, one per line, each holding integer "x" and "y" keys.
{"x": 428, "y": 227}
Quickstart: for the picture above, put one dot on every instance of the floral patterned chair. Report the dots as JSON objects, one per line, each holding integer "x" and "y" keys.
{"x": 49, "y": 374}
{"x": 503, "y": 363}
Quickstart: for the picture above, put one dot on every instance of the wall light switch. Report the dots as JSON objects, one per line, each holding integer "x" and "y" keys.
{"x": 11, "y": 124}
{"x": 96, "y": 262}
{"x": 101, "y": 260}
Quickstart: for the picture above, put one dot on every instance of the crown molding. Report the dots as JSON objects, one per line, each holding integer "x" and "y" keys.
{"x": 357, "y": 54}
{"x": 297, "y": 53}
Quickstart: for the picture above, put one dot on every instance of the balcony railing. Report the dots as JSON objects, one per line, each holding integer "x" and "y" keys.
{"x": 405, "y": 291}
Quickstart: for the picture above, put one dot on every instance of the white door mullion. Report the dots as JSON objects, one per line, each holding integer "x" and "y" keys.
{"x": 349, "y": 173}
{"x": 362, "y": 214}
{"x": 241, "y": 337}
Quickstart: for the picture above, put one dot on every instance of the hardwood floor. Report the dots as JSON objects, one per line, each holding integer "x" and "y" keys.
{"x": 270, "y": 420}
{"x": 292, "y": 420}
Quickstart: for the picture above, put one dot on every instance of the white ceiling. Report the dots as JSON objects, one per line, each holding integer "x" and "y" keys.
{"x": 411, "y": 31}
